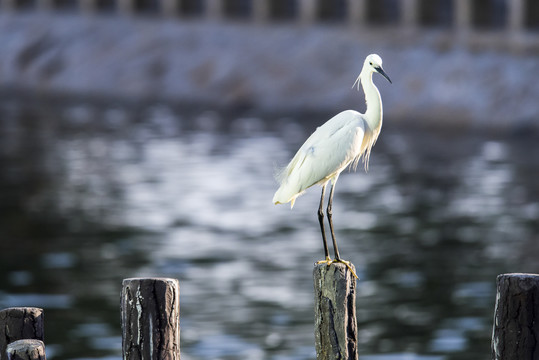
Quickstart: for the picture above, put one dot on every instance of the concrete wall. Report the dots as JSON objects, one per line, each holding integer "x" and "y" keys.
{"x": 514, "y": 22}
{"x": 353, "y": 12}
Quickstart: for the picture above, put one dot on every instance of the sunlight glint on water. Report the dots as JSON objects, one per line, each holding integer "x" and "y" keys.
{"x": 102, "y": 194}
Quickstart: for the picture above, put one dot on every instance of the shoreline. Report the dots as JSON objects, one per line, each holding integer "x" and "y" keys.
{"x": 277, "y": 68}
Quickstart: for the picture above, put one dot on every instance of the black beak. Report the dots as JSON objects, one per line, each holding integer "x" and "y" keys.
{"x": 382, "y": 72}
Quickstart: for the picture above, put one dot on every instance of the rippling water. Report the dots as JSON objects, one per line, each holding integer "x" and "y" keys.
{"x": 91, "y": 193}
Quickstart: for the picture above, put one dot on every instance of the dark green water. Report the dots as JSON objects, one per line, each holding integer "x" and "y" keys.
{"x": 91, "y": 193}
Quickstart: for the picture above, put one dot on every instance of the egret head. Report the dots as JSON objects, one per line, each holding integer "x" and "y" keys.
{"x": 372, "y": 64}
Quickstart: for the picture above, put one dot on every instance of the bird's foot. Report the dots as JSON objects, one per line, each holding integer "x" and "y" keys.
{"x": 328, "y": 261}
{"x": 348, "y": 265}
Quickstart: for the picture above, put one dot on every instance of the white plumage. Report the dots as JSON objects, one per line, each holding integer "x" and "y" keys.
{"x": 334, "y": 146}
{"x": 322, "y": 158}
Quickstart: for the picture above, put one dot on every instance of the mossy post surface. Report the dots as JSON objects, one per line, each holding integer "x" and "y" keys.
{"x": 335, "y": 312}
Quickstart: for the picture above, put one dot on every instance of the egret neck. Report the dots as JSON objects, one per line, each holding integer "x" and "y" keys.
{"x": 373, "y": 113}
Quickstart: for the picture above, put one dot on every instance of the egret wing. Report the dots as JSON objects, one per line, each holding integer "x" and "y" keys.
{"x": 330, "y": 149}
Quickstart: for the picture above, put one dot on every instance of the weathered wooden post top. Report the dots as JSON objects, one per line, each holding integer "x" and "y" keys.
{"x": 150, "y": 318}
{"x": 335, "y": 312}
{"x": 515, "y": 334}
{"x": 17, "y": 323}
{"x": 26, "y": 349}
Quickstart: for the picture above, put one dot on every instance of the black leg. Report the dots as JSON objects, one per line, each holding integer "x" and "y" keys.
{"x": 329, "y": 214}
{"x": 321, "y": 220}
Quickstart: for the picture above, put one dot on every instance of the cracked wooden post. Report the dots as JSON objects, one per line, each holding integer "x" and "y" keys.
{"x": 335, "y": 312}
{"x": 27, "y": 349}
{"x": 515, "y": 332}
{"x": 150, "y": 318}
{"x": 18, "y": 323}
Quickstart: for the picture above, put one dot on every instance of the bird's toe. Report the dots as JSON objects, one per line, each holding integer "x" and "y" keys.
{"x": 348, "y": 264}
{"x": 327, "y": 261}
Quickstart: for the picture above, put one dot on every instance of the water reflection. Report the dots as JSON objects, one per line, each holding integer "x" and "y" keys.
{"x": 92, "y": 193}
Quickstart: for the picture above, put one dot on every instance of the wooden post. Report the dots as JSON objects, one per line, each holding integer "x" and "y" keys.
{"x": 515, "y": 332}
{"x": 335, "y": 313}
{"x": 20, "y": 323}
{"x": 150, "y": 318}
{"x": 27, "y": 349}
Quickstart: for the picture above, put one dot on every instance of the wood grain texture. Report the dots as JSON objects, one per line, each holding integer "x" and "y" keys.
{"x": 27, "y": 349}
{"x": 335, "y": 313}
{"x": 17, "y": 323}
{"x": 515, "y": 333}
{"x": 150, "y": 318}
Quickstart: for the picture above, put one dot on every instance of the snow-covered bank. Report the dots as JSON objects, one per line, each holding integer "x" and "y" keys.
{"x": 271, "y": 67}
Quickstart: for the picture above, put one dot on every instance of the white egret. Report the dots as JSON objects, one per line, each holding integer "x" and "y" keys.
{"x": 334, "y": 146}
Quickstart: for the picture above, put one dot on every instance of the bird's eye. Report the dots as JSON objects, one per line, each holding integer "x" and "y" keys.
{"x": 370, "y": 63}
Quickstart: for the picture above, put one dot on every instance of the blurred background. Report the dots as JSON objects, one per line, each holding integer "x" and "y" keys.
{"x": 140, "y": 138}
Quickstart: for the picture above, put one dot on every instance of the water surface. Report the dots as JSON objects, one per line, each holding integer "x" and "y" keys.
{"x": 94, "y": 192}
